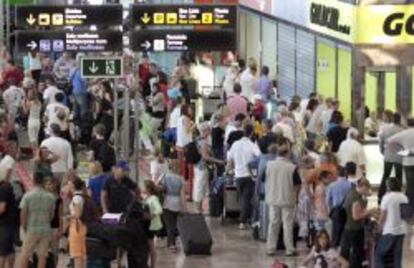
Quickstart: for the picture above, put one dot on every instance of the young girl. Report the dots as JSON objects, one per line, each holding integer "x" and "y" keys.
{"x": 77, "y": 228}
{"x": 321, "y": 209}
{"x": 322, "y": 255}
{"x": 159, "y": 167}
{"x": 155, "y": 208}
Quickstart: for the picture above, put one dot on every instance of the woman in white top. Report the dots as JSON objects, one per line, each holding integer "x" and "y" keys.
{"x": 34, "y": 107}
{"x": 185, "y": 127}
{"x": 157, "y": 105}
{"x": 35, "y": 65}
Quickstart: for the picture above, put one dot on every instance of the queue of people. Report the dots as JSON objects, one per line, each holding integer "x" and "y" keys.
{"x": 298, "y": 160}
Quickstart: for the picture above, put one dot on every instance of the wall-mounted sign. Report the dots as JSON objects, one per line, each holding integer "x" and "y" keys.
{"x": 387, "y": 24}
{"x": 92, "y": 67}
{"x": 59, "y": 41}
{"x": 73, "y": 15}
{"x": 184, "y": 15}
{"x": 184, "y": 40}
{"x": 333, "y": 18}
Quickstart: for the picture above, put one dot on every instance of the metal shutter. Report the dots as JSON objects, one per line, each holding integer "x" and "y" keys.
{"x": 305, "y": 63}
{"x": 286, "y": 60}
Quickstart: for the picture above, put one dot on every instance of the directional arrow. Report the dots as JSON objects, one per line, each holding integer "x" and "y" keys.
{"x": 146, "y": 18}
{"x": 32, "y": 45}
{"x": 146, "y": 45}
{"x": 31, "y": 20}
{"x": 93, "y": 68}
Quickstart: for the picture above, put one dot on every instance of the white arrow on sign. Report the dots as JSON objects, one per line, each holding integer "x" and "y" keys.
{"x": 32, "y": 45}
{"x": 31, "y": 20}
{"x": 146, "y": 45}
{"x": 93, "y": 68}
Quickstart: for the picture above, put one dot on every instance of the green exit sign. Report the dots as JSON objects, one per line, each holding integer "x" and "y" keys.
{"x": 110, "y": 67}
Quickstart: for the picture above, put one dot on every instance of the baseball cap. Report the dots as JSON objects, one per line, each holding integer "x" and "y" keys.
{"x": 122, "y": 164}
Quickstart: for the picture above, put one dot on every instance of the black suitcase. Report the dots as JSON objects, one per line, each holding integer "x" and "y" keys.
{"x": 195, "y": 235}
{"x": 215, "y": 205}
{"x": 98, "y": 249}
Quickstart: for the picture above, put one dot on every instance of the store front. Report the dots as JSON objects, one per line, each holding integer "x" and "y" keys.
{"x": 301, "y": 59}
{"x": 350, "y": 52}
{"x": 363, "y": 55}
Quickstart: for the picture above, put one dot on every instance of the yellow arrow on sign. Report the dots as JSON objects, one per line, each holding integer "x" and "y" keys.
{"x": 146, "y": 18}
{"x": 31, "y": 20}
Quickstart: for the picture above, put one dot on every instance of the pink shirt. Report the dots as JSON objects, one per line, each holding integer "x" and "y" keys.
{"x": 237, "y": 105}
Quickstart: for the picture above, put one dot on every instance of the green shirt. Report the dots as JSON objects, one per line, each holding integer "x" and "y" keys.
{"x": 156, "y": 211}
{"x": 40, "y": 207}
{"x": 352, "y": 197}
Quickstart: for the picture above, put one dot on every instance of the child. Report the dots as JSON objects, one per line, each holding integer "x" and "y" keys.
{"x": 159, "y": 167}
{"x": 323, "y": 255}
{"x": 155, "y": 209}
{"x": 321, "y": 209}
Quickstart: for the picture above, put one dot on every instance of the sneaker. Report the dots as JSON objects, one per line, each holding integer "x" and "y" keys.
{"x": 270, "y": 253}
{"x": 242, "y": 226}
{"x": 291, "y": 254}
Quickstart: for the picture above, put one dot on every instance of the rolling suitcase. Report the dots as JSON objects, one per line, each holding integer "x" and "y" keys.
{"x": 231, "y": 204}
{"x": 195, "y": 235}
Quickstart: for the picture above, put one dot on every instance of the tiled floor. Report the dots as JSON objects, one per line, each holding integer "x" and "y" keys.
{"x": 236, "y": 249}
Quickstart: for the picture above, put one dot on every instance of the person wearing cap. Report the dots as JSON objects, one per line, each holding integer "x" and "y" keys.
{"x": 355, "y": 205}
{"x": 118, "y": 191}
{"x": 351, "y": 150}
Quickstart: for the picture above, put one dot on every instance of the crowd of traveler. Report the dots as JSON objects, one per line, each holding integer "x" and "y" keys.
{"x": 301, "y": 158}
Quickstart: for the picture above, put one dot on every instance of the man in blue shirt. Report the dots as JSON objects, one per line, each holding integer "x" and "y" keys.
{"x": 265, "y": 87}
{"x": 335, "y": 196}
{"x": 79, "y": 91}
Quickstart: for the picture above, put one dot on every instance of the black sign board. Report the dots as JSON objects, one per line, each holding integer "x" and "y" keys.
{"x": 183, "y": 40}
{"x": 59, "y": 41}
{"x": 73, "y": 15}
{"x": 184, "y": 15}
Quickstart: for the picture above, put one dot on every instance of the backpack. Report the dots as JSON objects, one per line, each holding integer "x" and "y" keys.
{"x": 191, "y": 153}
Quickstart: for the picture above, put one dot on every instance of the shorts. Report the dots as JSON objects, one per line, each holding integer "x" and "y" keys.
{"x": 7, "y": 239}
{"x": 36, "y": 243}
{"x": 77, "y": 239}
{"x": 200, "y": 188}
{"x": 151, "y": 234}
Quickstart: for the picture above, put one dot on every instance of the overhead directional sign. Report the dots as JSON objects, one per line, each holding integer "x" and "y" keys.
{"x": 59, "y": 41}
{"x": 101, "y": 67}
{"x": 184, "y": 15}
{"x": 183, "y": 40}
{"x": 73, "y": 15}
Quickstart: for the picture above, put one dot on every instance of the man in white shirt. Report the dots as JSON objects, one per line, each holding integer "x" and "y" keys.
{"x": 52, "y": 110}
{"x": 331, "y": 106}
{"x": 13, "y": 97}
{"x": 351, "y": 150}
{"x": 50, "y": 92}
{"x": 393, "y": 226}
{"x": 248, "y": 80}
{"x": 242, "y": 152}
{"x": 59, "y": 147}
